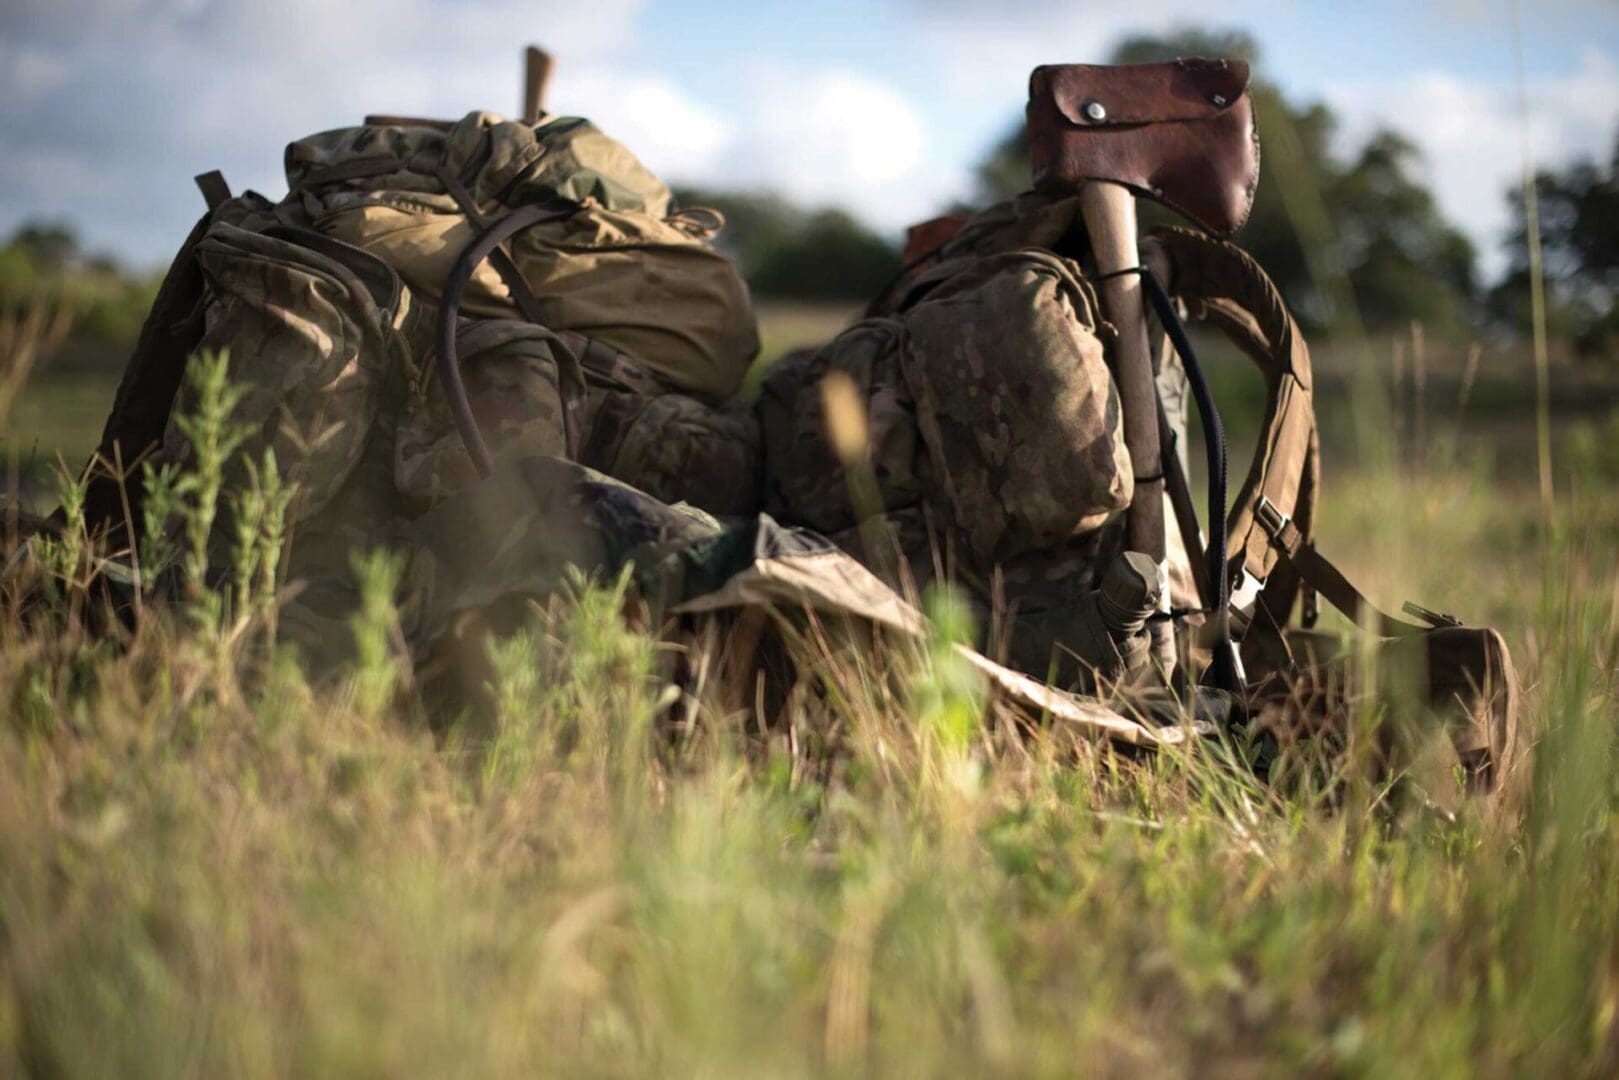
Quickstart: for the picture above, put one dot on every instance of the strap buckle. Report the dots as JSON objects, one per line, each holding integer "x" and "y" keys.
{"x": 1244, "y": 595}
{"x": 1271, "y": 519}
{"x": 1436, "y": 619}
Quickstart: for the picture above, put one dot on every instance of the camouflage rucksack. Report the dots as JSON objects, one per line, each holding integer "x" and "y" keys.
{"x": 987, "y": 473}
{"x": 995, "y": 440}
{"x": 622, "y": 266}
{"x": 606, "y": 331}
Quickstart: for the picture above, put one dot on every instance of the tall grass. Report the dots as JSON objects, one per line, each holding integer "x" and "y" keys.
{"x": 211, "y": 866}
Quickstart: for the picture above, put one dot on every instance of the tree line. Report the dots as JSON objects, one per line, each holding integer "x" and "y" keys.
{"x": 1354, "y": 236}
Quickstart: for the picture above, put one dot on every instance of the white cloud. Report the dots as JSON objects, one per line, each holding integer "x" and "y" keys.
{"x": 990, "y": 46}
{"x": 1471, "y": 135}
{"x": 226, "y": 85}
{"x": 834, "y": 137}
{"x": 674, "y": 135}
{"x": 35, "y": 72}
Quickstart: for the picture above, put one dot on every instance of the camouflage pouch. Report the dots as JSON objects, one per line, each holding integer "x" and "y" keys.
{"x": 1016, "y": 405}
{"x": 677, "y": 449}
{"x": 525, "y": 388}
{"x": 805, "y": 481}
{"x": 989, "y": 400}
{"x": 312, "y": 328}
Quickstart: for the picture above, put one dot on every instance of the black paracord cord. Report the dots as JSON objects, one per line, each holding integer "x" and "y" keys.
{"x": 1226, "y": 676}
{"x": 449, "y": 367}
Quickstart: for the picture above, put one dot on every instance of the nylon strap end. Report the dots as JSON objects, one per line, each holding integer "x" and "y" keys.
{"x": 213, "y": 187}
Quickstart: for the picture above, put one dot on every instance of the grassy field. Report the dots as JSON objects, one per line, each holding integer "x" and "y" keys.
{"x": 209, "y": 866}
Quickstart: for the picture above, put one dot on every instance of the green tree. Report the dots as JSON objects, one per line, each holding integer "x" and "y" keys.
{"x": 51, "y": 246}
{"x": 834, "y": 257}
{"x": 45, "y": 259}
{"x": 784, "y": 250}
{"x": 1403, "y": 260}
{"x": 756, "y": 222}
{"x": 1579, "y": 236}
{"x": 1382, "y": 239}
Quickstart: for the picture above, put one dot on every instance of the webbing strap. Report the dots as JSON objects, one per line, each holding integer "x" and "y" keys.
{"x": 1223, "y": 285}
{"x": 1325, "y": 578}
{"x": 213, "y": 187}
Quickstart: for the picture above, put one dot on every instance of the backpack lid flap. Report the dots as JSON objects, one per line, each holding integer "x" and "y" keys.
{"x": 1098, "y": 95}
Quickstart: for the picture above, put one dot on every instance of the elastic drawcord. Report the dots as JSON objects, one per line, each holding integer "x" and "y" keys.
{"x": 1226, "y": 675}
{"x": 449, "y": 368}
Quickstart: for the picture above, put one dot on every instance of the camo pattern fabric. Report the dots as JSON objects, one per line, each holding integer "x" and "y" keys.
{"x": 989, "y": 398}
{"x": 678, "y": 449}
{"x": 318, "y": 341}
{"x": 1016, "y": 404}
{"x": 806, "y": 483}
{"x": 561, "y": 157}
{"x": 1033, "y": 219}
{"x": 624, "y": 266}
{"x": 313, "y": 331}
{"x": 524, "y": 386}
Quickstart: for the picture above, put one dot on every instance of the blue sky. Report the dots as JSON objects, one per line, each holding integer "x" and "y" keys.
{"x": 108, "y": 107}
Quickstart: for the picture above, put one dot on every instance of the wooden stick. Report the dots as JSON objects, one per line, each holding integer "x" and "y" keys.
{"x": 537, "y": 79}
{"x": 1110, "y": 218}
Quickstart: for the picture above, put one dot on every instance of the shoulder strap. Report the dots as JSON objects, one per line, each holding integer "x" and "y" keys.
{"x": 1222, "y": 285}
{"x": 1321, "y": 575}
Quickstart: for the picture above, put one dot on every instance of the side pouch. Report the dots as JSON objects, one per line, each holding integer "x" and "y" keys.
{"x": 805, "y": 482}
{"x": 309, "y": 325}
{"x": 1016, "y": 404}
{"x": 1461, "y": 679}
{"x": 677, "y": 449}
{"x": 524, "y": 386}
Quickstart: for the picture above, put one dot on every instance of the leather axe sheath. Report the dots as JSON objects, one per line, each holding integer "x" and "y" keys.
{"x": 1181, "y": 133}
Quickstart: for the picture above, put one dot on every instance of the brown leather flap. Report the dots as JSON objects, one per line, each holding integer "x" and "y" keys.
{"x": 1142, "y": 93}
{"x": 1181, "y": 133}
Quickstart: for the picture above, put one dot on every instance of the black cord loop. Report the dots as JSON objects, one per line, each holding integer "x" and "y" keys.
{"x": 449, "y": 367}
{"x": 1226, "y": 676}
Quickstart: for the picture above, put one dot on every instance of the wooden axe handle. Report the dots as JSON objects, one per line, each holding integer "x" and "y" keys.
{"x": 536, "y": 78}
{"x": 1110, "y": 218}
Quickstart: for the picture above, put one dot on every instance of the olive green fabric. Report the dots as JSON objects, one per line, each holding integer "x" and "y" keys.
{"x": 312, "y": 333}
{"x": 524, "y": 386}
{"x": 533, "y": 392}
{"x": 989, "y": 398}
{"x": 623, "y": 267}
